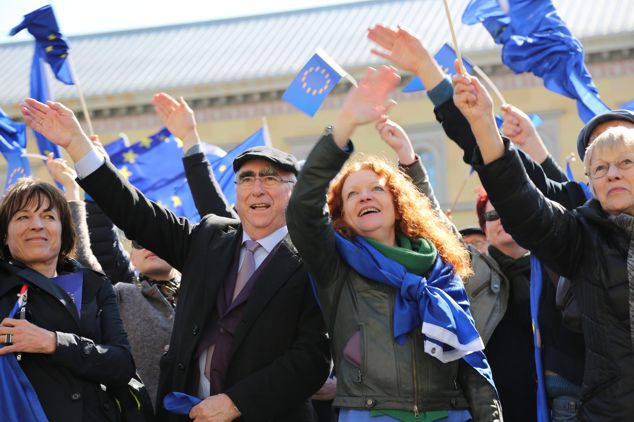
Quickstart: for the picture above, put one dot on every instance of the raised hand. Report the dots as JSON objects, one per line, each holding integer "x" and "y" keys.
{"x": 367, "y": 102}
{"x": 64, "y": 175}
{"x": 475, "y": 103}
{"x": 402, "y": 47}
{"x": 517, "y": 125}
{"x": 58, "y": 123}
{"x": 177, "y": 117}
{"x": 472, "y": 99}
{"x": 519, "y": 128}
{"x": 406, "y": 50}
{"x": 397, "y": 139}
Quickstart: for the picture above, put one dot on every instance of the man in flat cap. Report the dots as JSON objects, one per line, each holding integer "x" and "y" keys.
{"x": 248, "y": 335}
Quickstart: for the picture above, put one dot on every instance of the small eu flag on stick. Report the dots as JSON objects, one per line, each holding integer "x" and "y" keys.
{"x": 314, "y": 82}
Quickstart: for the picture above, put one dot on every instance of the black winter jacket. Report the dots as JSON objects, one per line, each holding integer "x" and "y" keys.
{"x": 92, "y": 348}
{"x": 586, "y": 247}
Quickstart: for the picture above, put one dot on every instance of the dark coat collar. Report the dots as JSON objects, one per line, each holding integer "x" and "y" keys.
{"x": 21, "y": 274}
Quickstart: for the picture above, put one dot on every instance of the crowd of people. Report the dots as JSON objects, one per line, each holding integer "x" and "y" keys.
{"x": 341, "y": 281}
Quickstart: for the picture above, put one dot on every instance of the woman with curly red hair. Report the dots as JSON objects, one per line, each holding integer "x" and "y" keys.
{"x": 387, "y": 271}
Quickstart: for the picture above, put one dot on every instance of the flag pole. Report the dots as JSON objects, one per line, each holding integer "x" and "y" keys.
{"x": 267, "y": 134}
{"x": 454, "y": 40}
{"x": 489, "y": 82}
{"x": 82, "y": 100}
{"x": 36, "y": 156}
{"x": 464, "y": 184}
{"x": 350, "y": 79}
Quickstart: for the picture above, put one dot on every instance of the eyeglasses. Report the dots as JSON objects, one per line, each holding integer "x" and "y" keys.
{"x": 491, "y": 216}
{"x": 602, "y": 169}
{"x": 270, "y": 181}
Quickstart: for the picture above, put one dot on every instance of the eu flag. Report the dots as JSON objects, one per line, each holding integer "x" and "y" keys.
{"x": 12, "y": 145}
{"x": 445, "y": 57}
{"x": 42, "y": 24}
{"x": 18, "y": 398}
{"x": 50, "y": 47}
{"x": 313, "y": 83}
{"x": 154, "y": 166}
{"x": 537, "y": 40}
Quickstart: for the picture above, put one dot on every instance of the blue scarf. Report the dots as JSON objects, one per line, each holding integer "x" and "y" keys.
{"x": 536, "y": 292}
{"x": 438, "y": 304}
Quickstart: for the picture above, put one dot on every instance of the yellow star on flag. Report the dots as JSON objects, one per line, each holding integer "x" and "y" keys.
{"x": 125, "y": 172}
{"x": 179, "y": 143}
{"x": 145, "y": 142}
{"x": 129, "y": 156}
{"x": 176, "y": 201}
{"x": 222, "y": 167}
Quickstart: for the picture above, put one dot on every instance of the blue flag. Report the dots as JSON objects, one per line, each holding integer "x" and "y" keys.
{"x": 42, "y": 24}
{"x": 543, "y": 413}
{"x": 50, "y": 47}
{"x": 628, "y": 105}
{"x": 12, "y": 145}
{"x": 313, "y": 83}
{"x": 40, "y": 91}
{"x": 537, "y": 40}
{"x": 154, "y": 166}
{"x": 489, "y": 14}
{"x": 18, "y": 398}
{"x": 445, "y": 58}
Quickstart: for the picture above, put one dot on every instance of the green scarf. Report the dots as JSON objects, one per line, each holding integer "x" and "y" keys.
{"x": 417, "y": 256}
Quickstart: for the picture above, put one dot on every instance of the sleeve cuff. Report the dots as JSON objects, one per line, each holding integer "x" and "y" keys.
{"x": 441, "y": 92}
{"x": 89, "y": 163}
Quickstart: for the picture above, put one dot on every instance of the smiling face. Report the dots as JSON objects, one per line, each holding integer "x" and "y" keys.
{"x": 368, "y": 206}
{"x": 34, "y": 234}
{"x": 262, "y": 209}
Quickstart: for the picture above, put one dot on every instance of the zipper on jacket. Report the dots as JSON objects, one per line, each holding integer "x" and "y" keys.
{"x": 414, "y": 372}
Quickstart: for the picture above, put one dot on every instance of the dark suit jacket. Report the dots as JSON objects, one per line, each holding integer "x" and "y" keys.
{"x": 92, "y": 348}
{"x": 279, "y": 353}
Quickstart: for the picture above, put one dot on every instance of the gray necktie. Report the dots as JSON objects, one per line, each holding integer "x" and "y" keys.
{"x": 247, "y": 268}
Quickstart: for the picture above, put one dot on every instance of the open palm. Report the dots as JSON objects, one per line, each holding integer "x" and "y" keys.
{"x": 371, "y": 99}
{"x": 53, "y": 120}
{"x": 402, "y": 47}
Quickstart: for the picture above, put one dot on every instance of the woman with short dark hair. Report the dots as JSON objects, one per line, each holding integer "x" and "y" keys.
{"x": 70, "y": 338}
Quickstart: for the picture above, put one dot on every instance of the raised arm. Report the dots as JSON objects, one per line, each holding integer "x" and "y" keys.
{"x": 179, "y": 119}
{"x": 542, "y": 226}
{"x": 406, "y": 50}
{"x": 411, "y": 164}
{"x": 308, "y": 223}
{"x": 141, "y": 219}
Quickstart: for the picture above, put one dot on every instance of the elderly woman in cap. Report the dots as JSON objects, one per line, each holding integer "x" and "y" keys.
{"x": 592, "y": 245}
{"x": 69, "y": 336}
{"x": 385, "y": 264}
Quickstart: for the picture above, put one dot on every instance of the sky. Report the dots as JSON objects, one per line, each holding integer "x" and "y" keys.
{"x": 90, "y": 16}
